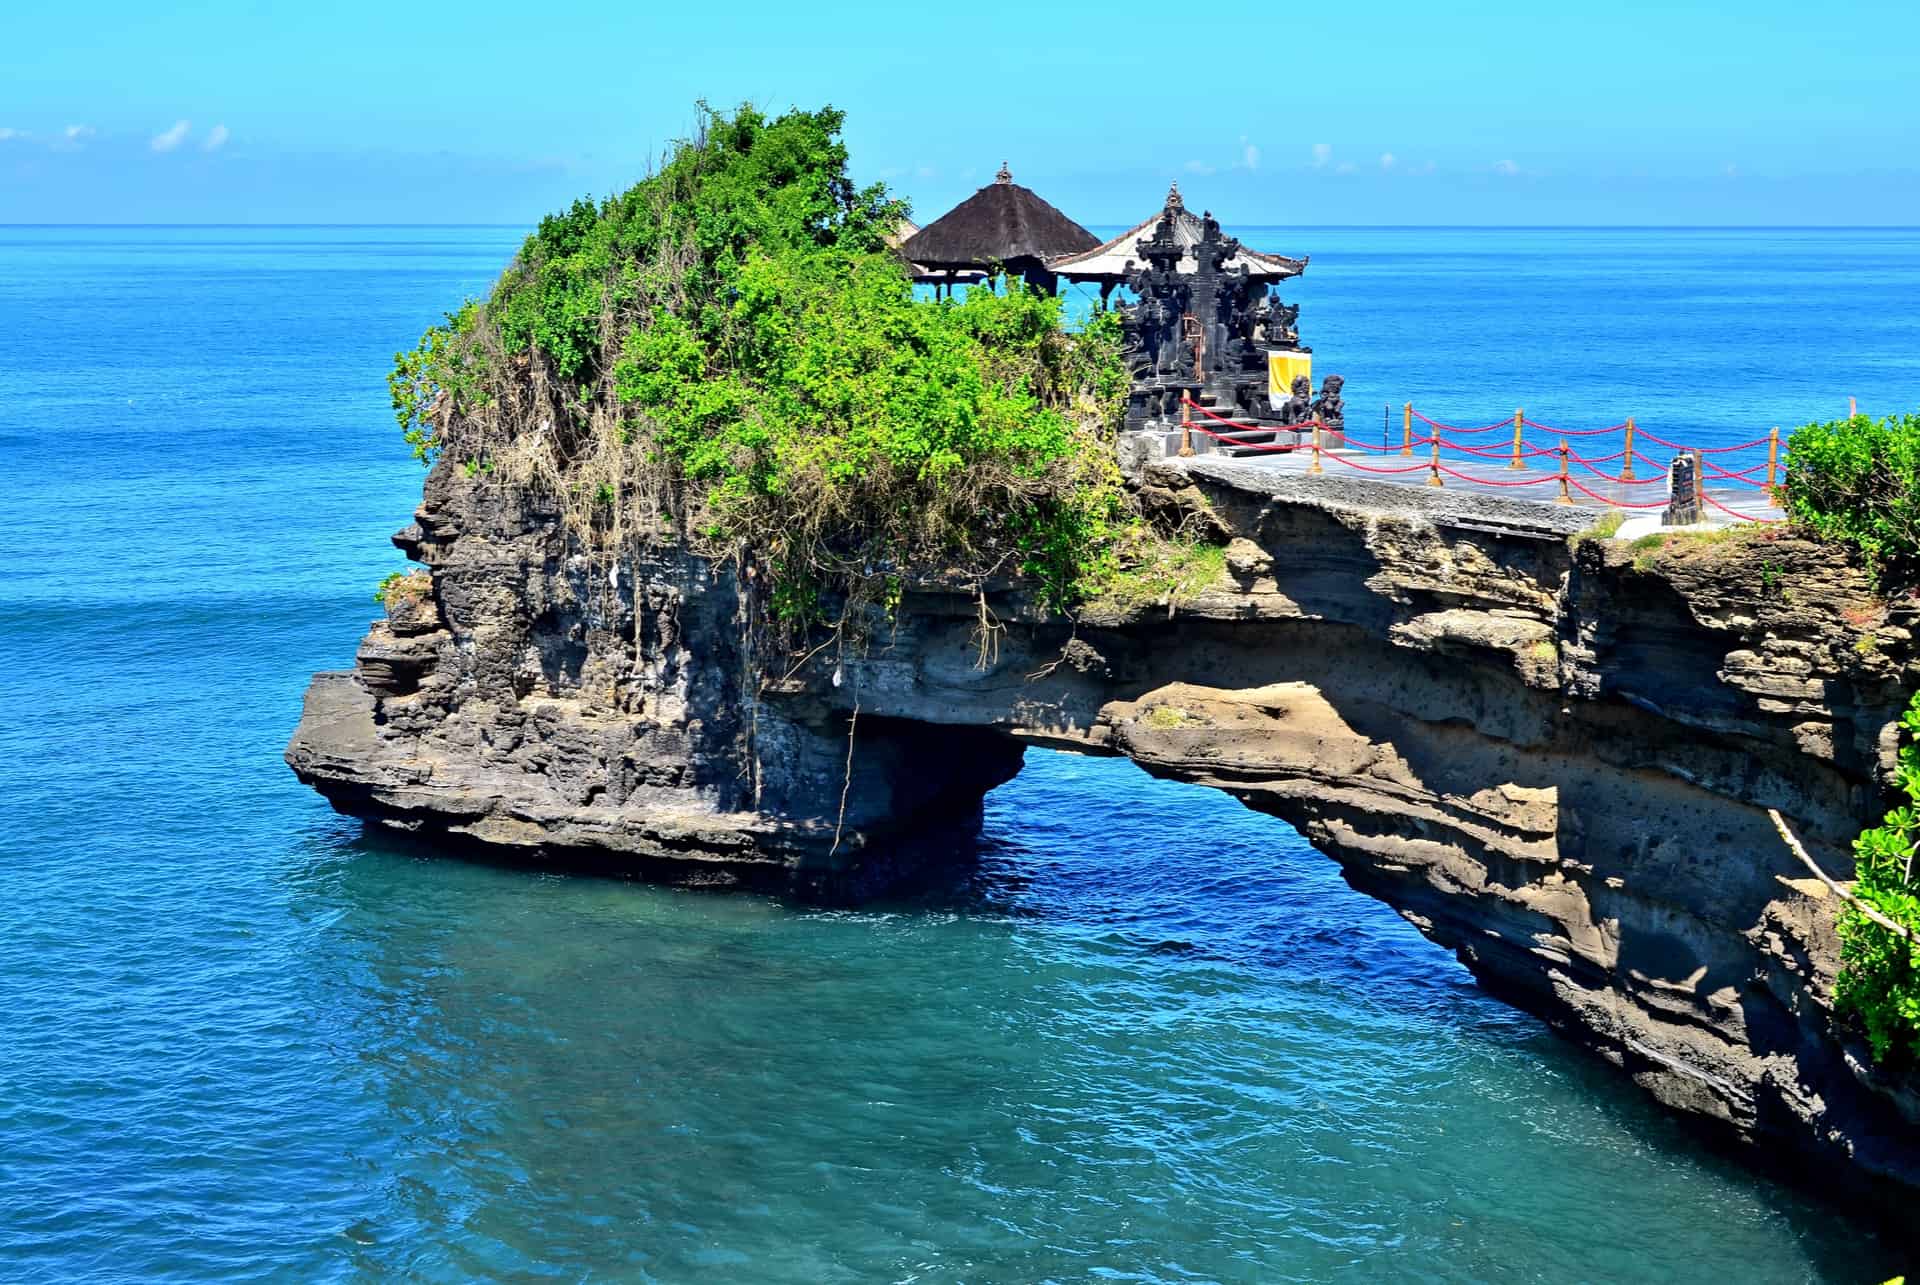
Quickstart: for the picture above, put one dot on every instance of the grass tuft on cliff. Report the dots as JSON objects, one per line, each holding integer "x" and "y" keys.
{"x": 729, "y": 353}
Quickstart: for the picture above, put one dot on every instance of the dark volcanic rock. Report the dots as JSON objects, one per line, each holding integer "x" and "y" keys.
{"x": 1554, "y": 759}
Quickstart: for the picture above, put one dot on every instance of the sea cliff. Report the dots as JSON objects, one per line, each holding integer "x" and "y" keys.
{"x": 1552, "y": 753}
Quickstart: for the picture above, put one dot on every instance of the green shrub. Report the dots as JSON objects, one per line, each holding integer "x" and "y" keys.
{"x": 1880, "y": 971}
{"x": 1858, "y": 480}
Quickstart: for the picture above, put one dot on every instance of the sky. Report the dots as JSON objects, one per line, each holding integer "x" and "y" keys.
{"x": 1511, "y": 112}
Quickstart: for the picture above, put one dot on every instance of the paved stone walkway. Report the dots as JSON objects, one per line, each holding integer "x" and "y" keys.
{"x": 1499, "y": 480}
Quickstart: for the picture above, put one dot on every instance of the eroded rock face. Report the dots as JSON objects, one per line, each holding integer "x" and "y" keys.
{"x": 1554, "y": 759}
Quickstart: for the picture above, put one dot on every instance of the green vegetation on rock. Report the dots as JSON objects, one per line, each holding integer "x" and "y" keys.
{"x": 730, "y": 354}
{"x": 1858, "y": 481}
{"x": 1158, "y": 571}
{"x": 396, "y": 584}
{"x": 1880, "y": 970}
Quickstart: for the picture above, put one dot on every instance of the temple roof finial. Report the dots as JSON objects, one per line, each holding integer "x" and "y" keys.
{"x": 1174, "y": 202}
{"x": 1005, "y": 175}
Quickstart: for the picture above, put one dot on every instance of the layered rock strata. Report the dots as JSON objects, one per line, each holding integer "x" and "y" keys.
{"x": 1552, "y": 755}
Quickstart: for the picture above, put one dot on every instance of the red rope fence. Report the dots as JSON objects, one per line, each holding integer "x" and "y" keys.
{"x": 1329, "y": 444}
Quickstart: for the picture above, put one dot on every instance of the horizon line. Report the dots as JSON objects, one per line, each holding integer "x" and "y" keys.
{"x": 1371, "y": 227}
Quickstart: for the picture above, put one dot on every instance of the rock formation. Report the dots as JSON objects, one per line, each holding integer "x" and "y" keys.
{"x": 1553, "y": 756}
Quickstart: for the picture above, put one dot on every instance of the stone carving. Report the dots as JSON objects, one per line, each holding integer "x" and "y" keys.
{"x": 1223, "y": 303}
{"x": 1331, "y": 408}
{"x": 1160, "y": 354}
{"x": 1298, "y": 408}
{"x": 1683, "y": 491}
{"x": 1280, "y": 324}
{"x": 1212, "y": 309}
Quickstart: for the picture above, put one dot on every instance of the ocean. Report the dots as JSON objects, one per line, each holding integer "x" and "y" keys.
{"x": 1145, "y": 1035}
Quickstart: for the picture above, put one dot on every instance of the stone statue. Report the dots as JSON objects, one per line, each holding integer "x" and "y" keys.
{"x": 1298, "y": 409}
{"x": 1240, "y": 318}
{"x": 1331, "y": 408}
{"x": 1280, "y": 322}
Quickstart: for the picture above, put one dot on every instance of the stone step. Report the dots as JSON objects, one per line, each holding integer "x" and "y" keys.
{"x": 1245, "y": 442}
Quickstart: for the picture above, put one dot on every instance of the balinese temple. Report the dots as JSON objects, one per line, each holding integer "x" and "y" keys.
{"x": 1004, "y": 224}
{"x": 1111, "y": 263}
{"x": 1204, "y": 332}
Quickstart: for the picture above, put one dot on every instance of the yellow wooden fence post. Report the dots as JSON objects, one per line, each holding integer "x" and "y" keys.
{"x": 1563, "y": 497}
{"x": 1519, "y": 417}
{"x": 1773, "y": 459}
{"x": 1315, "y": 466}
{"x": 1406, "y": 430}
{"x": 1433, "y": 468}
{"x": 1186, "y": 427}
{"x": 1626, "y": 472}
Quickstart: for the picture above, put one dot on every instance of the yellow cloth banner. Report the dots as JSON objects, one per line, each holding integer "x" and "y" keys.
{"x": 1281, "y": 369}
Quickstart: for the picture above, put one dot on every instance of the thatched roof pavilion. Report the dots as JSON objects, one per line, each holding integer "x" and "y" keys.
{"x": 1002, "y": 223}
{"x": 1106, "y": 263}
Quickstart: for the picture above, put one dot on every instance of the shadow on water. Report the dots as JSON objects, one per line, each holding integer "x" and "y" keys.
{"x": 1120, "y": 1026}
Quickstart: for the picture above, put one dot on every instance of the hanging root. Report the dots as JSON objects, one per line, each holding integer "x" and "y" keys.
{"x": 846, "y": 781}
{"x": 986, "y": 635}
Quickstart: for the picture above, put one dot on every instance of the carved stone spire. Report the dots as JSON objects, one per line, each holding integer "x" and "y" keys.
{"x": 1174, "y": 201}
{"x": 1005, "y": 175}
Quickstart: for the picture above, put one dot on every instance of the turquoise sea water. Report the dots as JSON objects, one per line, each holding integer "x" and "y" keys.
{"x": 1147, "y": 1036}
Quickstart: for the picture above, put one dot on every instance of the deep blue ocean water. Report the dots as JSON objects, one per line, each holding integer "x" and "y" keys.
{"x": 1150, "y": 1037}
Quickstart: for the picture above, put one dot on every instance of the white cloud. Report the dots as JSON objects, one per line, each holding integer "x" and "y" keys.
{"x": 1249, "y": 154}
{"x": 1386, "y": 160}
{"x": 926, "y": 171}
{"x": 1344, "y": 167}
{"x": 1199, "y": 167}
{"x": 1731, "y": 170}
{"x": 216, "y": 138}
{"x": 1505, "y": 167}
{"x": 77, "y": 133}
{"x": 1322, "y": 153}
{"x": 6, "y": 133}
{"x": 172, "y": 138}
